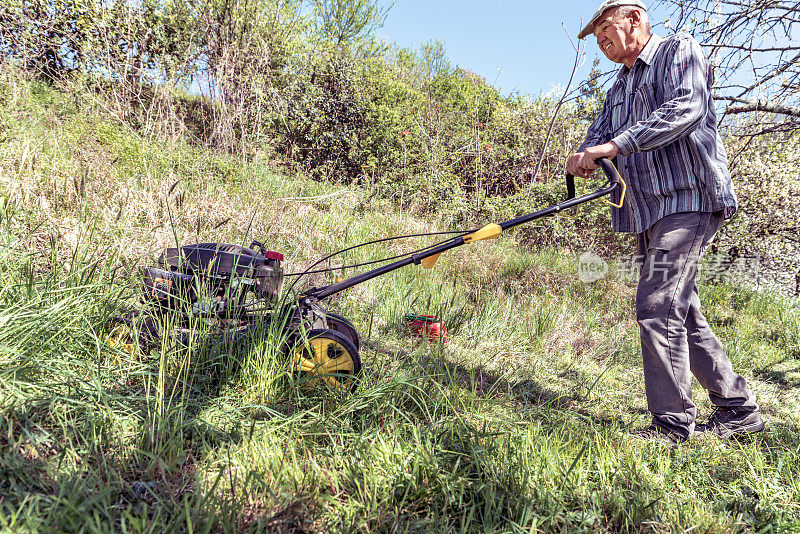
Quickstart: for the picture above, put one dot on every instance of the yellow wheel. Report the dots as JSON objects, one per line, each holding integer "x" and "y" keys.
{"x": 121, "y": 338}
{"x": 325, "y": 358}
{"x": 340, "y": 325}
{"x": 132, "y": 333}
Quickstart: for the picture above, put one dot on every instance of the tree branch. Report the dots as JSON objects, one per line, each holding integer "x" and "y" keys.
{"x": 752, "y": 49}
{"x": 758, "y": 105}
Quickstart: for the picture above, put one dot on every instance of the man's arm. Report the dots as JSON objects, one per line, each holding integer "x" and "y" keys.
{"x": 685, "y": 105}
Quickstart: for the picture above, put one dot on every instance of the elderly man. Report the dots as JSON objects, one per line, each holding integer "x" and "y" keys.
{"x": 659, "y": 122}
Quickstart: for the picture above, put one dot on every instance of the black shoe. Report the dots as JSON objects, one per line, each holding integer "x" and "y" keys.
{"x": 657, "y": 433}
{"x": 726, "y": 422}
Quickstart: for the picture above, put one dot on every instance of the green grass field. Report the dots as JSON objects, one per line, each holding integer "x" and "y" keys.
{"x": 519, "y": 423}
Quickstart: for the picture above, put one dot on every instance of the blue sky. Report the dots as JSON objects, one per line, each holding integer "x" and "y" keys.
{"x": 517, "y": 46}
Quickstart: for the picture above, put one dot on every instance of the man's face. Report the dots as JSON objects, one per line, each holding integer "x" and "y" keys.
{"x": 615, "y": 37}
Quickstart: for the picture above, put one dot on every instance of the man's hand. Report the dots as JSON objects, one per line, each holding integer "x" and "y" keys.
{"x": 573, "y": 165}
{"x": 583, "y": 163}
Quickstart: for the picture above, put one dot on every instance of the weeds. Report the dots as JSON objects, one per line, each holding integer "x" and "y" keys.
{"x": 519, "y": 423}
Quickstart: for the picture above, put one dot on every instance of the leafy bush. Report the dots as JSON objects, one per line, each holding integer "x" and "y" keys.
{"x": 315, "y": 88}
{"x": 762, "y": 236}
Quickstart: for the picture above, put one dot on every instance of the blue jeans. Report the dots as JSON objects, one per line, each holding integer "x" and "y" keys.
{"x": 676, "y": 339}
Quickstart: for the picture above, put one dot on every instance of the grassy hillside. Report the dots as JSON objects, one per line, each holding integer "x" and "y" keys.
{"x": 519, "y": 423}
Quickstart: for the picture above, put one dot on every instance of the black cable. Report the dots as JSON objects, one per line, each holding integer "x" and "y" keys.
{"x": 374, "y": 261}
{"x": 329, "y": 256}
{"x": 347, "y": 266}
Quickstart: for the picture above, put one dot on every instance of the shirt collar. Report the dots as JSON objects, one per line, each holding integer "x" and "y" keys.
{"x": 649, "y": 50}
{"x": 646, "y": 55}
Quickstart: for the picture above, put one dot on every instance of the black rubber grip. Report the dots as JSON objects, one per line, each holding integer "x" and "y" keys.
{"x": 570, "y": 186}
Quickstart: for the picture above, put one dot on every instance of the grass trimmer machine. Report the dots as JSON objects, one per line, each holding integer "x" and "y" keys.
{"x": 238, "y": 291}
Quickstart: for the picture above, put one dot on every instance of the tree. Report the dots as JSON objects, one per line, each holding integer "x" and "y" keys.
{"x": 591, "y": 95}
{"x": 349, "y": 22}
{"x": 49, "y": 37}
{"x": 754, "y": 48}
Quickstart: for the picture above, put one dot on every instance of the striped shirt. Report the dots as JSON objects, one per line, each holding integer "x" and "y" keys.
{"x": 661, "y": 116}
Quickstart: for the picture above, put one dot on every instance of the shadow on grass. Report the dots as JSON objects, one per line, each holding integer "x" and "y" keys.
{"x": 782, "y": 377}
{"x": 528, "y": 397}
{"x": 104, "y": 450}
{"x": 76, "y": 481}
{"x": 61, "y": 477}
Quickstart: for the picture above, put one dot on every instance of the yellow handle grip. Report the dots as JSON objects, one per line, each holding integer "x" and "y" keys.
{"x": 490, "y": 231}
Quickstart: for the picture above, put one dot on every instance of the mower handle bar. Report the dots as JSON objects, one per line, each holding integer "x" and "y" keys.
{"x": 608, "y": 168}
{"x": 491, "y": 231}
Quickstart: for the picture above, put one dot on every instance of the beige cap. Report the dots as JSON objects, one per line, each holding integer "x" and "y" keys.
{"x": 608, "y": 4}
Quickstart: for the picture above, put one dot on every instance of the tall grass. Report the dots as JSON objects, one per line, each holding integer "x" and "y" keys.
{"x": 519, "y": 423}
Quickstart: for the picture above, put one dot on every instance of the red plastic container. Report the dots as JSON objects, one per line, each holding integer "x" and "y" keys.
{"x": 427, "y": 327}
